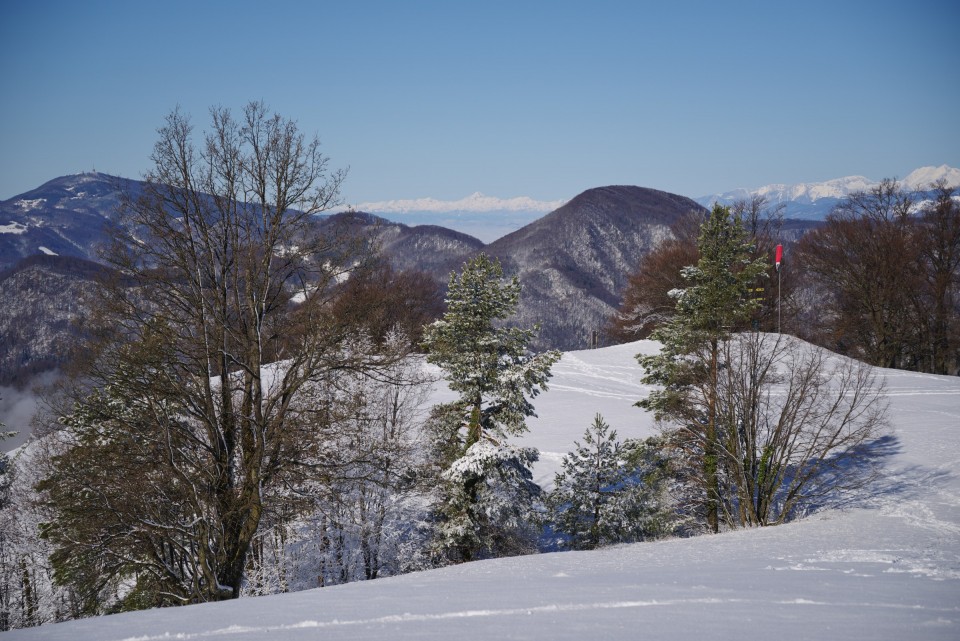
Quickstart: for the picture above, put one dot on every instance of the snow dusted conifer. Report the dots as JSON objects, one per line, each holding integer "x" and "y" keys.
{"x": 607, "y": 492}
{"x": 487, "y": 491}
{"x": 485, "y": 361}
{"x": 715, "y": 303}
{"x": 488, "y": 501}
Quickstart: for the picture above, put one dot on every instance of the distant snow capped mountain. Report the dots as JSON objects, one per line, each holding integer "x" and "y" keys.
{"x": 923, "y": 177}
{"x": 815, "y": 200}
{"x": 475, "y": 202}
{"x": 482, "y": 216}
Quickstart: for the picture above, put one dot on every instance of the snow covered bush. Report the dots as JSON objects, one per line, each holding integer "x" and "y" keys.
{"x": 366, "y": 520}
{"x": 28, "y": 593}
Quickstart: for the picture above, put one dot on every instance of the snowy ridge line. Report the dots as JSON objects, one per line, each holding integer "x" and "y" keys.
{"x": 918, "y": 180}
{"x": 475, "y": 202}
{"x": 543, "y": 609}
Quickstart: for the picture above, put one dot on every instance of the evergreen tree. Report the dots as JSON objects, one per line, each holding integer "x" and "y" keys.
{"x": 716, "y": 302}
{"x": 485, "y": 361}
{"x": 607, "y": 492}
{"x": 488, "y": 364}
{"x": 488, "y": 506}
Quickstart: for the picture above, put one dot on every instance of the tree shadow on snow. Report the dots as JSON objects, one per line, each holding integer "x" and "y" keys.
{"x": 860, "y": 478}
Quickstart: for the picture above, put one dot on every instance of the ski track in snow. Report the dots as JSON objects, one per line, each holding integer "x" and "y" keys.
{"x": 269, "y": 631}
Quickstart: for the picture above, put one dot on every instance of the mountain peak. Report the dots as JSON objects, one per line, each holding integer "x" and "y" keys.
{"x": 815, "y": 200}
{"x": 923, "y": 177}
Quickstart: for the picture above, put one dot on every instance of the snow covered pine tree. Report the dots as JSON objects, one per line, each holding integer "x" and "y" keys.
{"x": 486, "y": 489}
{"x": 608, "y": 492}
{"x": 688, "y": 367}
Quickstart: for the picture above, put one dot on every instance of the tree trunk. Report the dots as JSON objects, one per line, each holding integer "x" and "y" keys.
{"x": 710, "y": 443}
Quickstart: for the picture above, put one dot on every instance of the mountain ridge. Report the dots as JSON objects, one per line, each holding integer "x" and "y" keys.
{"x": 575, "y": 261}
{"x": 816, "y": 199}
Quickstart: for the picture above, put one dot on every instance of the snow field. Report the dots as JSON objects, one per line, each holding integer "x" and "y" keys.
{"x": 884, "y": 565}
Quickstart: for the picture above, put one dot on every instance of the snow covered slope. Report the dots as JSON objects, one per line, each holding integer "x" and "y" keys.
{"x": 887, "y": 566}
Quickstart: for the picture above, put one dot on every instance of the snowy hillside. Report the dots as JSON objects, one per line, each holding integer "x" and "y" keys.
{"x": 885, "y": 566}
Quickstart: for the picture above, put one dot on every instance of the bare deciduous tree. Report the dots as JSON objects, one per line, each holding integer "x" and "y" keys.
{"x": 885, "y": 273}
{"x": 646, "y": 299}
{"x": 938, "y": 243}
{"x": 860, "y": 261}
{"x": 188, "y": 437}
{"x": 792, "y": 425}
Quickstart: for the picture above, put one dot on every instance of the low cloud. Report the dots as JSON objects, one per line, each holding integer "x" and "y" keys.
{"x": 17, "y": 410}
{"x": 475, "y": 202}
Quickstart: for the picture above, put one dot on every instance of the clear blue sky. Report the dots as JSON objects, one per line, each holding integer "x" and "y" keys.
{"x": 542, "y": 99}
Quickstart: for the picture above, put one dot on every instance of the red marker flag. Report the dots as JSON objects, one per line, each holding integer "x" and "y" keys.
{"x": 779, "y": 256}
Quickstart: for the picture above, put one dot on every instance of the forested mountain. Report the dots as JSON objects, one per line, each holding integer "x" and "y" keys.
{"x": 41, "y": 299}
{"x": 50, "y": 240}
{"x": 428, "y": 248}
{"x": 67, "y": 216}
{"x": 573, "y": 263}
{"x": 73, "y": 216}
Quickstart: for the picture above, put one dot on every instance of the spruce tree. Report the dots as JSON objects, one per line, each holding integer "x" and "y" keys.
{"x": 489, "y": 365}
{"x": 717, "y": 301}
{"x": 607, "y": 492}
{"x": 484, "y": 360}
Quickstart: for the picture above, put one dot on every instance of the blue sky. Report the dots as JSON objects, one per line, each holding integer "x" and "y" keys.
{"x": 542, "y": 99}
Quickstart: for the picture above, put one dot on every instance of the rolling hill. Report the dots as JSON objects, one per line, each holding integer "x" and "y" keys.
{"x": 882, "y": 564}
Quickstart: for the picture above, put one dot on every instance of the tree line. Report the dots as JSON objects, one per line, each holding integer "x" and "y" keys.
{"x": 886, "y": 266}
{"x": 878, "y": 281}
